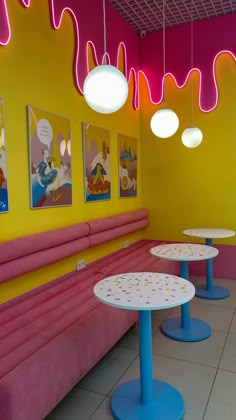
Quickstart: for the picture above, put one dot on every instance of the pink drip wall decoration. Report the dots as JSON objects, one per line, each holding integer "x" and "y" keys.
{"x": 212, "y": 38}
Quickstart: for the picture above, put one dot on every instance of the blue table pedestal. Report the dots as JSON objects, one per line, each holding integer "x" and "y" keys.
{"x": 217, "y": 292}
{"x": 166, "y": 403}
{"x": 196, "y": 331}
{"x": 147, "y": 398}
{"x": 210, "y": 291}
{"x": 185, "y": 328}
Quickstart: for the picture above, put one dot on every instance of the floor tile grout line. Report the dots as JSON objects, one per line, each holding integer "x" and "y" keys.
{"x": 123, "y": 374}
{"x": 89, "y": 390}
{"x": 184, "y": 360}
{"x": 209, "y": 395}
{"x": 226, "y": 338}
{"x": 217, "y": 370}
{"x": 97, "y": 408}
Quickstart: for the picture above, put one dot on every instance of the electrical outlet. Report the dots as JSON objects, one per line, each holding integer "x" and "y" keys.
{"x": 80, "y": 265}
{"x": 125, "y": 244}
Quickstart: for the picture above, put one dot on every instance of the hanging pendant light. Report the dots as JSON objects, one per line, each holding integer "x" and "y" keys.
{"x": 105, "y": 87}
{"x": 165, "y": 122}
{"x": 192, "y": 136}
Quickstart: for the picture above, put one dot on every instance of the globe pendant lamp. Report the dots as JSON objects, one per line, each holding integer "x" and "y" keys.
{"x": 165, "y": 122}
{"x": 105, "y": 87}
{"x": 192, "y": 136}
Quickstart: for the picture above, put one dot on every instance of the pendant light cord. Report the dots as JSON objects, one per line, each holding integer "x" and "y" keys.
{"x": 192, "y": 85}
{"x": 164, "y": 49}
{"x": 104, "y": 33}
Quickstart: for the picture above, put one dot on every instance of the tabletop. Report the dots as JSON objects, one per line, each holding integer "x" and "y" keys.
{"x": 144, "y": 291}
{"x": 184, "y": 252}
{"x": 209, "y": 233}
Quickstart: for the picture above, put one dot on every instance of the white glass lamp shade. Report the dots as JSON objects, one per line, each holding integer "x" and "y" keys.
{"x": 192, "y": 137}
{"x": 105, "y": 89}
{"x": 164, "y": 123}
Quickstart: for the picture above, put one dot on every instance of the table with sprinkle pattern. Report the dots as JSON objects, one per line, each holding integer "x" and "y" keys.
{"x": 185, "y": 328}
{"x": 145, "y": 398}
{"x": 210, "y": 291}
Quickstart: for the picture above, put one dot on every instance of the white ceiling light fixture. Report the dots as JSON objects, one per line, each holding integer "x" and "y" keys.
{"x": 105, "y": 87}
{"x": 165, "y": 122}
{"x": 192, "y": 136}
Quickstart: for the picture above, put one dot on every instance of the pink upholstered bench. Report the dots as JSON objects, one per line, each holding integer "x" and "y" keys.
{"x": 46, "y": 345}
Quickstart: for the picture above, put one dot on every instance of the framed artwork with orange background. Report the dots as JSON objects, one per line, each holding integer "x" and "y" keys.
{"x": 97, "y": 167}
{"x": 3, "y": 164}
{"x": 127, "y": 166}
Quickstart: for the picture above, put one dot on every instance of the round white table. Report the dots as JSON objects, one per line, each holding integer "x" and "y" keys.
{"x": 210, "y": 291}
{"x": 146, "y": 398}
{"x": 185, "y": 328}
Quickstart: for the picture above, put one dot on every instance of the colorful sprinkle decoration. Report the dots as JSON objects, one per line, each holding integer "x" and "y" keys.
{"x": 143, "y": 291}
{"x": 184, "y": 252}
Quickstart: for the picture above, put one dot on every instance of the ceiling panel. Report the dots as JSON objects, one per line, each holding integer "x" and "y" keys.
{"x": 147, "y": 15}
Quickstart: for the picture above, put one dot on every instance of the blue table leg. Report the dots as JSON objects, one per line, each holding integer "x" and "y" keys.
{"x": 210, "y": 291}
{"x": 146, "y": 399}
{"x": 185, "y": 328}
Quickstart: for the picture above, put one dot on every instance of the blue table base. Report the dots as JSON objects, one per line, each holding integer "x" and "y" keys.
{"x": 167, "y": 402}
{"x": 198, "y": 330}
{"x": 217, "y": 292}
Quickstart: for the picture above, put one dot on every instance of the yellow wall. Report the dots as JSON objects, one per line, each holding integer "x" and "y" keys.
{"x": 36, "y": 68}
{"x": 181, "y": 187}
{"x": 185, "y": 188}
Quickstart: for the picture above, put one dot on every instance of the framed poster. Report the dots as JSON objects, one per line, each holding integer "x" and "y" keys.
{"x": 50, "y": 159}
{"x": 96, "y": 154}
{"x": 127, "y": 166}
{"x": 3, "y": 164}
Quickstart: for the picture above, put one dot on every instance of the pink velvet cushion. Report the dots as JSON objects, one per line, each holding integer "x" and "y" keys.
{"x": 19, "y": 247}
{"x": 23, "y": 336}
{"x": 135, "y": 258}
{"x": 42, "y": 258}
{"x": 108, "y": 235}
{"x": 40, "y": 381}
{"x": 107, "y": 223}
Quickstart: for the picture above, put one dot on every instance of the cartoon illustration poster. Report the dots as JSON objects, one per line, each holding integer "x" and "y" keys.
{"x": 50, "y": 159}
{"x": 3, "y": 164}
{"x": 128, "y": 166}
{"x": 97, "y": 172}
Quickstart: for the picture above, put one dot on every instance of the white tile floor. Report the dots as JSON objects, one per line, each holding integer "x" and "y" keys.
{"x": 204, "y": 372}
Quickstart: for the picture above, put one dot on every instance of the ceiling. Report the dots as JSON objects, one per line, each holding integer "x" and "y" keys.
{"x": 146, "y": 16}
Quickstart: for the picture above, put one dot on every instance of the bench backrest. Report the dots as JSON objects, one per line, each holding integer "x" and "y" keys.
{"x": 23, "y": 255}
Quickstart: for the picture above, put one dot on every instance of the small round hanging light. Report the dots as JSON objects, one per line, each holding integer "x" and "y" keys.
{"x": 165, "y": 122}
{"x": 105, "y": 87}
{"x": 192, "y": 137}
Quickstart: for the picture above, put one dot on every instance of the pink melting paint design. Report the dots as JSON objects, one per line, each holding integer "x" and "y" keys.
{"x": 208, "y": 45}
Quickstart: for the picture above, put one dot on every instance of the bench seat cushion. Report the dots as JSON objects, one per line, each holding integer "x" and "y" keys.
{"x": 135, "y": 258}
{"x": 53, "y": 335}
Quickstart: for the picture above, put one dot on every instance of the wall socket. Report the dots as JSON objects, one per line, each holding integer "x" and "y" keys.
{"x": 80, "y": 265}
{"x": 125, "y": 244}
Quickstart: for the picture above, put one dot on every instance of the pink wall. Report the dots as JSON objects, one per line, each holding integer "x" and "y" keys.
{"x": 223, "y": 265}
{"x": 87, "y": 17}
{"x": 210, "y": 37}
